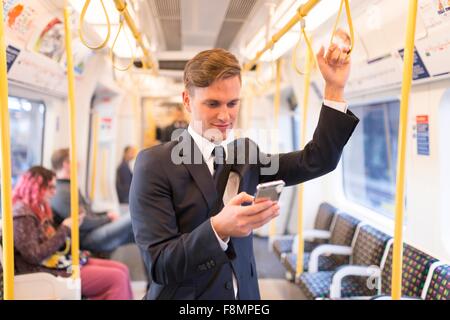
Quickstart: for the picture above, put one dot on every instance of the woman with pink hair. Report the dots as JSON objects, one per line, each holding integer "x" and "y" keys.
{"x": 37, "y": 240}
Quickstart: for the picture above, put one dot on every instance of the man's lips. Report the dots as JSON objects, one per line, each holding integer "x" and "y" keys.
{"x": 222, "y": 126}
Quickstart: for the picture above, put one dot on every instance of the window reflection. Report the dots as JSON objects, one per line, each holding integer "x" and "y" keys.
{"x": 370, "y": 158}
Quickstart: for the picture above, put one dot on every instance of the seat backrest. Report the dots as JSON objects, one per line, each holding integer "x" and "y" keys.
{"x": 324, "y": 216}
{"x": 343, "y": 229}
{"x": 369, "y": 246}
{"x": 437, "y": 286}
{"x": 416, "y": 266}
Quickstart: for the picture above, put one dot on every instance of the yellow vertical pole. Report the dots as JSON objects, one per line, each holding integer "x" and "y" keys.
{"x": 277, "y": 99}
{"x": 307, "y": 81}
{"x": 73, "y": 146}
{"x": 7, "y": 220}
{"x": 94, "y": 155}
{"x": 399, "y": 194}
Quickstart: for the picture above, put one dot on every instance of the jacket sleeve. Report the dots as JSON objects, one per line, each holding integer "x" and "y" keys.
{"x": 175, "y": 256}
{"x": 320, "y": 156}
{"x": 26, "y": 240}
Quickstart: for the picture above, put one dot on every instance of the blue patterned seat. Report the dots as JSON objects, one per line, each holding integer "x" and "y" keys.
{"x": 416, "y": 265}
{"x": 323, "y": 221}
{"x": 341, "y": 234}
{"x": 439, "y": 283}
{"x": 368, "y": 250}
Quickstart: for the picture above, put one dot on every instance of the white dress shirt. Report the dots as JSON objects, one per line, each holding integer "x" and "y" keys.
{"x": 206, "y": 148}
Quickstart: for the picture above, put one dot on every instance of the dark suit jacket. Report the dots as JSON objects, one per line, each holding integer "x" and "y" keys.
{"x": 171, "y": 205}
{"x": 123, "y": 181}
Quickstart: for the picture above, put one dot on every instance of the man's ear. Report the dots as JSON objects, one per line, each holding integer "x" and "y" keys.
{"x": 187, "y": 100}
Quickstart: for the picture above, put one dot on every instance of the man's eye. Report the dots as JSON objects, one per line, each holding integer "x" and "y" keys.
{"x": 212, "y": 104}
{"x": 233, "y": 104}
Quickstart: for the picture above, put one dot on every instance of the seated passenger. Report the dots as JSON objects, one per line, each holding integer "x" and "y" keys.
{"x": 37, "y": 241}
{"x": 124, "y": 174}
{"x": 101, "y": 231}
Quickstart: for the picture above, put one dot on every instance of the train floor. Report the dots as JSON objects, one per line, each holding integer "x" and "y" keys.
{"x": 272, "y": 283}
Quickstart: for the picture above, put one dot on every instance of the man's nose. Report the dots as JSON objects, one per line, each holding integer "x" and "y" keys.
{"x": 224, "y": 114}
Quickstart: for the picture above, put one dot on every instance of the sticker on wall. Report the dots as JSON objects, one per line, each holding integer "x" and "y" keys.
{"x": 423, "y": 135}
{"x": 11, "y": 55}
{"x": 419, "y": 69}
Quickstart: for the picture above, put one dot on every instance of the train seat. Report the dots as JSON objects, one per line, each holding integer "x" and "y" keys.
{"x": 437, "y": 286}
{"x": 359, "y": 278}
{"x": 316, "y": 236}
{"x": 342, "y": 233}
{"x": 416, "y": 266}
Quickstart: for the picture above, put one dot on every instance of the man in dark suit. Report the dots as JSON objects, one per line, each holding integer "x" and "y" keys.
{"x": 124, "y": 174}
{"x": 190, "y": 202}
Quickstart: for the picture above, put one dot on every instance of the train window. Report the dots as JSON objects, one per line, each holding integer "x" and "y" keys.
{"x": 27, "y": 130}
{"x": 370, "y": 158}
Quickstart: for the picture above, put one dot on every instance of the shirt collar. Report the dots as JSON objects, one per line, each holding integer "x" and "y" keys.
{"x": 206, "y": 147}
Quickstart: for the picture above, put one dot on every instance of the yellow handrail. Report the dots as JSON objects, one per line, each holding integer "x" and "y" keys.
{"x": 277, "y": 100}
{"x": 73, "y": 147}
{"x": 309, "y": 63}
{"x": 80, "y": 27}
{"x": 349, "y": 21}
{"x": 302, "y": 12}
{"x": 408, "y": 61}
{"x": 95, "y": 122}
{"x": 7, "y": 220}
{"x": 148, "y": 62}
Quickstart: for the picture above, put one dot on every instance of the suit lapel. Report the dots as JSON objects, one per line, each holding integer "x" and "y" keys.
{"x": 195, "y": 164}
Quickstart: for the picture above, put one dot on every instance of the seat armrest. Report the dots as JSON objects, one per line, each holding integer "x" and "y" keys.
{"x": 361, "y": 271}
{"x": 328, "y": 249}
{"x": 45, "y": 286}
{"x": 310, "y": 235}
{"x": 390, "y": 298}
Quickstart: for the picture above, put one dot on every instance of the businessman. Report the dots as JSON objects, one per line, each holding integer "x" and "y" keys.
{"x": 190, "y": 199}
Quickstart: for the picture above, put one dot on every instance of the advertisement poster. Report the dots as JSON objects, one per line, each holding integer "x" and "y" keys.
{"x": 19, "y": 20}
{"x": 50, "y": 41}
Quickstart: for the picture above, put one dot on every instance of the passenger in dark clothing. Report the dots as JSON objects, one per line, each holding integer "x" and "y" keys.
{"x": 124, "y": 174}
{"x": 101, "y": 231}
{"x": 179, "y": 122}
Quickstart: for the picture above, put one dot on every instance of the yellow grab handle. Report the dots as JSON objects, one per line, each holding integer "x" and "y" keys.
{"x": 80, "y": 27}
{"x": 308, "y": 45}
{"x": 349, "y": 21}
{"x": 111, "y": 51}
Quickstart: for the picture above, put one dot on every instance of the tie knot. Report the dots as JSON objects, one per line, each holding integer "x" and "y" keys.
{"x": 219, "y": 156}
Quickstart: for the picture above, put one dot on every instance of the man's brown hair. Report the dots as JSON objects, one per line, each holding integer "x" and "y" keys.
{"x": 58, "y": 158}
{"x": 209, "y": 66}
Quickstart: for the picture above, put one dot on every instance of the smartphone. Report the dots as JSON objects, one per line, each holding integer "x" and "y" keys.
{"x": 269, "y": 191}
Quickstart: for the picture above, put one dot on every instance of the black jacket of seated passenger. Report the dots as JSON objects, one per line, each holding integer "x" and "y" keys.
{"x": 171, "y": 205}
{"x": 60, "y": 204}
{"x": 123, "y": 181}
